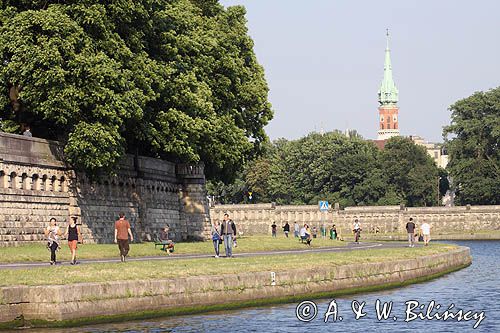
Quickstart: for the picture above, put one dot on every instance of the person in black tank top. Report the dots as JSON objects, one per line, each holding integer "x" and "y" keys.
{"x": 73, "y": 233}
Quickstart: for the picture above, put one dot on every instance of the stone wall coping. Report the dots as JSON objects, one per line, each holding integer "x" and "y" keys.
{"x": 361, "y": 209}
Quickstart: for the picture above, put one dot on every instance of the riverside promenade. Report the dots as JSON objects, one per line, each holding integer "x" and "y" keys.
{"x": 34, "y": 294}
{"x": 347, "y": 248}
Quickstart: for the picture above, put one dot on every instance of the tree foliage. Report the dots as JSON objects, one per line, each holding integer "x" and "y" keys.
{"x": 473, "y": 146}
{"x": 348, "y": 170}
{"x": 172, "y": 79}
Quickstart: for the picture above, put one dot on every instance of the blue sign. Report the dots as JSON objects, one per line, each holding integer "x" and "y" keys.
{"x": 323, "y": 206}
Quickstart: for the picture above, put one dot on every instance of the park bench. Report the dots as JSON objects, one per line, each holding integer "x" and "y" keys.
{"x": 159, "y": 242}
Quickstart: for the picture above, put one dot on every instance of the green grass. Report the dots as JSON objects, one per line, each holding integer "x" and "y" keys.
{"x": 39, "y": 253}
{"x": 144, "y": 270}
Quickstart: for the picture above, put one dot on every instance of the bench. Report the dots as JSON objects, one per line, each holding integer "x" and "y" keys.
{"x": 163, "y": 244}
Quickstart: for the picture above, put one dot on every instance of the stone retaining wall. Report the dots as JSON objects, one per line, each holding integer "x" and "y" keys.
{"x": 35, "y": 185}
{"x": 86, "y": 300}
{"x": 257, "y": 219}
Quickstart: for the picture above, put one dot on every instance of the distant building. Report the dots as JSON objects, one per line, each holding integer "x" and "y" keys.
{"x": 435, "y": 150}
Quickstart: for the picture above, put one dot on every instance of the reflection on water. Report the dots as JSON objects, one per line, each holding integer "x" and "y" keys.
{"x": 474, "y": 288}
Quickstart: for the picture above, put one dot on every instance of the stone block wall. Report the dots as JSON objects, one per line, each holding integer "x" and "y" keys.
{"x": 35, "y": 185}
{"x": 257, "y": 219}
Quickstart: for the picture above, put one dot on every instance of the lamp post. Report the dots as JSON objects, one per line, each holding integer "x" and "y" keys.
{"x": 439, "y": 178}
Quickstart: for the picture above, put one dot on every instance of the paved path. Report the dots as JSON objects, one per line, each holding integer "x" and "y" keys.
{"x": 348, "y": 247}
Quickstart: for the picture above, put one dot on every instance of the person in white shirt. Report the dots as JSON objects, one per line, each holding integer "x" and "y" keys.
{"x": 52, "y": 232}
{"x": 426, "y": 231}
{"x": 357, "y": 230}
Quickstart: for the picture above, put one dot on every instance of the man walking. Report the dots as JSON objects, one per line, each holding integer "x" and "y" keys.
{"x": 273, "y": 229}
{"x": 228, "y": 229}
{"x": 426, "y": 231}
{"x": 296, "y": 230}
{"x": 122, "y": 231}
{"x": 410, "y": 228}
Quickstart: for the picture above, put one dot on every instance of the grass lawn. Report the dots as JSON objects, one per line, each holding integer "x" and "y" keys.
{"x": 38, "y": 252}
{"x": 206, "y": 266}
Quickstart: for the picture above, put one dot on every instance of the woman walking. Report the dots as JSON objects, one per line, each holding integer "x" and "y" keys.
{"x": 52, "y": 232}
{"x": 216, "y": 238}
{"x": 73, "y": 234}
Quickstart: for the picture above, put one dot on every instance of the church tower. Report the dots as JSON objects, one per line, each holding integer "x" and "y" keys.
{"x": 388, "y": 99}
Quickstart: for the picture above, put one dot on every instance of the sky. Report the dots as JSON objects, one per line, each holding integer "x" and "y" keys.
{"x": 324, "y": 60}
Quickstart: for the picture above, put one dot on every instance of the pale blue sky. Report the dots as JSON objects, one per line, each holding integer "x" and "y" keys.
{"x": 324, "y": 60}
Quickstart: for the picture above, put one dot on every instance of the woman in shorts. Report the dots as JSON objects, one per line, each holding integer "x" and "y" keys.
{"x": 73, "y": 233}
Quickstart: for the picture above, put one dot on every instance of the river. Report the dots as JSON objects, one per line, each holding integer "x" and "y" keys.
{"x": 475, "y": 288}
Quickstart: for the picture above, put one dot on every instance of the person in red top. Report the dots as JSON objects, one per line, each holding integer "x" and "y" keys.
{"x": 122, "y": 231}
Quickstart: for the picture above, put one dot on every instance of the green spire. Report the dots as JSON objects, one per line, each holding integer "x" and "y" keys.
{"x": 388, "y": 93}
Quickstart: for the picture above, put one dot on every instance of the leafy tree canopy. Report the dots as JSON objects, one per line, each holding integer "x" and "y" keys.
{"x": 348, "y": 170}
{"x": 171, "y": 79}
{"x": 473, "y": 146}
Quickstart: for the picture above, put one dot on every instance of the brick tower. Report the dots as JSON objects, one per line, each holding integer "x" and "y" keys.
{"x": 388, "y": 99}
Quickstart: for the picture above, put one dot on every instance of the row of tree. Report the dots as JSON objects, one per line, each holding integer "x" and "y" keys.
{"x": 332, "y": 166}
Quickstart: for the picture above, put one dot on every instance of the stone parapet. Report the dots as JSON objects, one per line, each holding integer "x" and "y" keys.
{"x": 36, "y": 185}
{"x": 257, "y": 219}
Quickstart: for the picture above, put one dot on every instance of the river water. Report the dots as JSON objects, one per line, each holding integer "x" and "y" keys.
{"x": 475, "y": 288}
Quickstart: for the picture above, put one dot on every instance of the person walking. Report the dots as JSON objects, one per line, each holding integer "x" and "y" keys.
{"x": 410, "y": 229}
{"x": 228, "y": 230}
{"x": 52, "y": 232}
{"x": 426, "y": 231}
{"x": 216, "y": 237}
{"x": 273, "y": 229}
{"x": 357, "y": 230}
{"x": 122, "y": 232}
{"x": 296, "y": 230}
{"x": 73, "y": 235}
{"x": 323, "y": 231}
{"x": 286, "y": 229}
{"x": 333, "y": 232}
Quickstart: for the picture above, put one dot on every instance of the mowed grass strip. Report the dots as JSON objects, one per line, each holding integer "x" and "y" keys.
{"x": 39, "y": 252}
{"x": 165, "y": 269}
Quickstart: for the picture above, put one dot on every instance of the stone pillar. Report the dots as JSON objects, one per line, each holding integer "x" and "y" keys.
{"x": 194, "y": 210}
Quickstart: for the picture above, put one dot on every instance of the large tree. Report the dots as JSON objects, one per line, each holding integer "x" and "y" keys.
{"x": 176, "y": 79}
{"x": 473, "y": 145}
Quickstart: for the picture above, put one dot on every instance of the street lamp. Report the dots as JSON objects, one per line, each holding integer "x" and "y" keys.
{"x": 439, "y": 178}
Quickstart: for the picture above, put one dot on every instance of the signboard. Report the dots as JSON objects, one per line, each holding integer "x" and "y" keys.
{"x": 323, "y": 206}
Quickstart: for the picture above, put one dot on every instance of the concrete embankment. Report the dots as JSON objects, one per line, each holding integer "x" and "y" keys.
{"x": 84, "y": 303}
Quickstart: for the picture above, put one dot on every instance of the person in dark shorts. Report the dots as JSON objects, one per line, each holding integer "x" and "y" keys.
{"x": 356, "y": 230}
{"x": 410, "y": 229}
{"x": 273, "y": 229}
{"x": 74, "y": 235}
{"x": 122, "y": 231}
